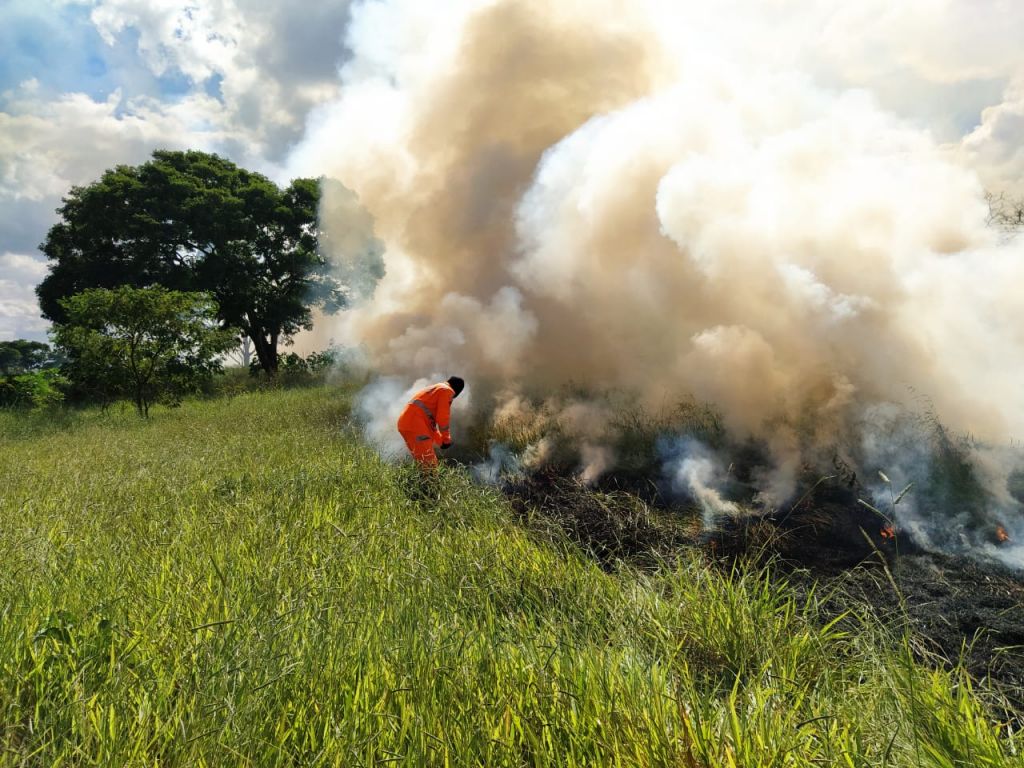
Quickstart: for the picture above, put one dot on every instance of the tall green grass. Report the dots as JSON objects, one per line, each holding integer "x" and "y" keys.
{"x": 241, "y": 582}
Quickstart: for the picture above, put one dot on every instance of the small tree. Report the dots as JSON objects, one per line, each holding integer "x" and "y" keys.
{"x": 148, "y": 344}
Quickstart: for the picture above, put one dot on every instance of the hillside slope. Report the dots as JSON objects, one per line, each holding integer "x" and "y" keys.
{"x": 241, "y": 582}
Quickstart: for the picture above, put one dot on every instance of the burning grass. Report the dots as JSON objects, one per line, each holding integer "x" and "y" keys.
{"x": 959, "y": 613}
{"x": 953, "y": 494}
{"x": 242, "y": 582}
{"x": 869, "y": 542}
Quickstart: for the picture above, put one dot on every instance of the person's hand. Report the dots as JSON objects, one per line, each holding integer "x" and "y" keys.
{"x": 445, "y": 446}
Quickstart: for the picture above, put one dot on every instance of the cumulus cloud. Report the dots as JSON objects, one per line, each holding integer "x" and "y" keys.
{"x": 89, "y": 84}
{"x": 269, "y": 64}
{"x": 47, "y": 146}
{"x": 996, "y": 146}
{"x": 19, "y": 312}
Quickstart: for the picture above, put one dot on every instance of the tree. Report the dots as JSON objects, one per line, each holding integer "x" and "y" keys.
{"x": 144, "y": 343}
{"x": 241, "y": 355}
{"x": 22, "y": 355}
{"x": 1005, "y": 212}
{"x": 192, "y": 221}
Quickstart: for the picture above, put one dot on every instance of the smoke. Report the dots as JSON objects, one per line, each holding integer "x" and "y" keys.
{"x": 377, "y": 409}
{"x": 595, "y": 461}
{"x": 694, "y": 470}
{"x": 730, "y": 200}
{"x": 347, "y": 241}
{"x": 501, "y": 463}
{"x": 959, "y": 490}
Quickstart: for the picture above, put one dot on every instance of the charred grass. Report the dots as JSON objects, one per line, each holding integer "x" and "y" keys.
{"x": 952, "y": 612}
{"x": 242, "y": 582}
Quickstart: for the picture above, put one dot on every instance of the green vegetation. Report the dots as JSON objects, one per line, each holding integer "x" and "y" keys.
{"x": 30, "y": 375}
{"x": 33, "y": 389}
{"x": 241, "y": 582}
{"x": 192, "y": 221}
{"x": 146, "y": 344}
{"x": 22, "y": 355}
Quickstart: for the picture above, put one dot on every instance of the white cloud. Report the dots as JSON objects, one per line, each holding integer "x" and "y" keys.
{"x": 19, "y": 312}
{"x": 273, "y": 62}
{"x": 243, "y": 76}
{"x": 254, "y": 74}
{"x": 996, "y": 147}
{"x": 47, "y": 146}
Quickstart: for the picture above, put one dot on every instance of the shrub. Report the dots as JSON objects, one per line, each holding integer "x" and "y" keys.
{"x": 36, "y": 389}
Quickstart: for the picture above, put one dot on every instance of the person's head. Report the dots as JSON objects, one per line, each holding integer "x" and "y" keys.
{"x": 457, "y": 384}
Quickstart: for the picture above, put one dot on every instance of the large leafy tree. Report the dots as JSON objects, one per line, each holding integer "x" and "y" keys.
{"x": 148, "y": 344}
{"x": 193, "y": 221}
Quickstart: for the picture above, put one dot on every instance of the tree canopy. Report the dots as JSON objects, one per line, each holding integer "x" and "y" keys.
{"x": 144, "y": 343}
{"x": 29, "y": 374}
{"x": 21, "y": 355}
{"x": 192, "y": 221}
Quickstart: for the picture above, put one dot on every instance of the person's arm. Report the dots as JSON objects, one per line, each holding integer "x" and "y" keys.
{"x": 444, "y": 415}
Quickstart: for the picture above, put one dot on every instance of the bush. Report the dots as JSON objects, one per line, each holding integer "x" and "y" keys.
{"x": 320, "y": 362}
{"x": 36, "y": 389}
{"x": 295, "y": 369}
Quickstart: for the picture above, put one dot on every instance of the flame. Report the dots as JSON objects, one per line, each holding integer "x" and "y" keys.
{"x": 888, "y": 532}
{"x": 1001, "y": 535}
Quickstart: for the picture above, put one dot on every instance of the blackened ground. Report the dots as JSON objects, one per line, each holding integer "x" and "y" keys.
{"x": 612, "y": 525}
{"x": 958, "y": 608}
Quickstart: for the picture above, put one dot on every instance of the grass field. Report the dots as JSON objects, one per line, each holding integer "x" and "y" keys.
{"x": 241, "y": 582}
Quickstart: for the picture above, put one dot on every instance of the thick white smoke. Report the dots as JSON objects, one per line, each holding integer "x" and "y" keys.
{"x": 767, "y": 205}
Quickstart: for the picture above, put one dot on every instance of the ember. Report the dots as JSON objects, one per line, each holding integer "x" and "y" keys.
{"x": 1001, "y": 535}
{"x": 888, "y": 532}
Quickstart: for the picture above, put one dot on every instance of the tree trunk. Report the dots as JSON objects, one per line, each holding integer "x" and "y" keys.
{"x": 266, "y": 350}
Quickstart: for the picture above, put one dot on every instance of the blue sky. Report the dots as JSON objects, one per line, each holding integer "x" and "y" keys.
{"x": 88, "y": 84}
{"x": 57, "y": 46}
{"x": 60, "y": 47}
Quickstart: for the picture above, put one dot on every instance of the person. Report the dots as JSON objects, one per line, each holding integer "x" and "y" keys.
{"x": 425, "y": 421}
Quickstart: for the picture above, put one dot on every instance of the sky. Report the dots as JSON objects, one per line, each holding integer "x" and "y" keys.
{"x": 88, "y": 84}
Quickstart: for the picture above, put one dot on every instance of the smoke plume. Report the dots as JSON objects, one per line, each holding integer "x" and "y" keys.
{"x": 732, "y": 200}
{"x": 695, "y": 470}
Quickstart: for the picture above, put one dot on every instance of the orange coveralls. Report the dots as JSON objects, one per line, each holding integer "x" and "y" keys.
{"x": 425, "y": 421}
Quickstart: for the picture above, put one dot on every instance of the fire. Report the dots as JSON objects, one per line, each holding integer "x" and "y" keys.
{"x": 1001, "y": 535}
{"x": 888, "y": 532}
